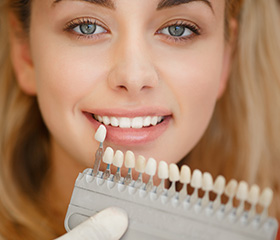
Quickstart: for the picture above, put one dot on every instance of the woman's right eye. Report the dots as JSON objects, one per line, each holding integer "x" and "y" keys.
{"x": 88, "y": 29}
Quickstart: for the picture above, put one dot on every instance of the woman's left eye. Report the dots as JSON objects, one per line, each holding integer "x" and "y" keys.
{"x": 176, "y": 31}
{"x": 88, "y": 29}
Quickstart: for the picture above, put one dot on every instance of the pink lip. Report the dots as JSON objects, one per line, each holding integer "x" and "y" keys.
{"x": 130, "y": 136}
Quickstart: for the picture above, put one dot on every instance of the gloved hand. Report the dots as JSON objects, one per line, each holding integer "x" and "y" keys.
{"x": 109, "y": 224}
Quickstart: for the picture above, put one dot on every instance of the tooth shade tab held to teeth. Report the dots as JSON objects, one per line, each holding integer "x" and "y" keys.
{"x": 126, "y": 122}
{"x": 140, "y": 168}
{"x": 100, "y": 136}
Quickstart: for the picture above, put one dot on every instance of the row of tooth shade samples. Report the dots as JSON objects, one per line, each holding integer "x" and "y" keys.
{"x": 196, "y": 179}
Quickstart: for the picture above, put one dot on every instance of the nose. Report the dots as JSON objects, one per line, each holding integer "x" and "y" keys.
{"x": 132, "y": 70}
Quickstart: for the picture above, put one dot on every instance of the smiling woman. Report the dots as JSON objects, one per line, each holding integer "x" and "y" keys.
{"x": 183, "y": 81}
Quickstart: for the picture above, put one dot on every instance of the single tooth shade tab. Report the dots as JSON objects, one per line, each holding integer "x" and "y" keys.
{"x": 242, "y": 191}
{"x": 266, "y": 197}
{"x": 254, "y": 194}
{"x": 231, "y": 187}
{"x": 140, "y": 164}
{"x": 118, "y": 159}
{"x": 185, "y": 174}
{"x": 100, "y": 134}
{"x": 163, "y": 170}
{"x": 207, "y": 182}
{"x": 129, "y": 159}
{"x": 108, "y": 155}
{"x": 174, "y": 174}
{"x": 151, "y": 167}
{"x": 219, "y": 185}
{"x": 196, "y": 181}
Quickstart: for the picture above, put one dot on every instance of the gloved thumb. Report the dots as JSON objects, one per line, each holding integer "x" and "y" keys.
{"x": 109, "y": 224}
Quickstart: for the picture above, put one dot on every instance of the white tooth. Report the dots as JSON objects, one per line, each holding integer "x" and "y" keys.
{"x": 118, "y": 159}
{"x": 99, "y": 118}
{"x": 266, "y": 197}
{"x": 231, "y": 187}
{"x": 124, "y": 122}
{"x": 242, "y": 191}
{"x": 140, "y": 164}
{"x": 108, "y": 155}
{"x": 185, "y": 174}
{"x": 147, "y": 121}
{"x": 100, "y": 133}
{"x": 137, "y": 122}
{"x": 154, "y": 121}
{"x": 151, "y": 167}
{"x": 159, "y": 119}
{"x": 219, "y": 185}
{"x": 196, "y": 181}
{"x": 129, "y": 159}
{"x": 174, "y": 174}
{"x": 254, "y": 194}
{"x": 114, "y": 122}
{"x": 106, "y": 120}
{"x": 162, "y": 170}
{"x": 207, "y": 182}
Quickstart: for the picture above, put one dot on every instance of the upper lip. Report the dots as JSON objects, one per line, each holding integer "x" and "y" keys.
{"x": 130, "y": 113}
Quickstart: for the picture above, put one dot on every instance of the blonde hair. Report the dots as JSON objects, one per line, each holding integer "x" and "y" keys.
{"x": 237, "y": 144}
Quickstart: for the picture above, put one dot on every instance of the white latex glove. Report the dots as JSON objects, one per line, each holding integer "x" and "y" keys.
{"x": 109, "y": 224}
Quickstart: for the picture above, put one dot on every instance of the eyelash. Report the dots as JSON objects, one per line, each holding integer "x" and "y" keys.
{"x": 69, "y": 27}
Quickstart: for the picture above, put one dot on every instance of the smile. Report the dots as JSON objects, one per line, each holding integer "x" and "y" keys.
{"x": 126, "y": 122}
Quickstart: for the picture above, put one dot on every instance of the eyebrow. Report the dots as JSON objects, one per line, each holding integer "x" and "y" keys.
{"x": 163, "y": 4}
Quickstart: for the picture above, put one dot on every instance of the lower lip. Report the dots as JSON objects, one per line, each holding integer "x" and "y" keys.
{"x": 132, "y": 136}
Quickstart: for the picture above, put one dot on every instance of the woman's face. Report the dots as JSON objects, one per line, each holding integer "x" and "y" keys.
{"x": 127, "y": 63}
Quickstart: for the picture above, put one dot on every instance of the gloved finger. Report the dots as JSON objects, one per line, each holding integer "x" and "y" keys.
{"x": 109, "y": 224}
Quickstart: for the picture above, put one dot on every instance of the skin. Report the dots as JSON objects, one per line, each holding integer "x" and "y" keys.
{"x": 132, "y": 65}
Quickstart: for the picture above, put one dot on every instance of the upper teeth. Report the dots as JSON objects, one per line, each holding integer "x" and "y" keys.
{"x": 125, "y": 122}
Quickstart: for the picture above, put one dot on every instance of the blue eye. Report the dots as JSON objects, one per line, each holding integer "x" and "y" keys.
{"x": 88, "y": 29}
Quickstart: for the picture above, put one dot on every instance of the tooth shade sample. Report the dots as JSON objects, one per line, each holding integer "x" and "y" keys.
{"x": 207, "y": 182}
{"x": 100, "y": 133}
{"x": 129, "y": 159}
{"x": 266, "y": 197}
{"x": 254, "y": 194}
{"x": 242, "y": 191}
{"x": 151, "y": 167}
{"x": 108, "y": 155}
{"x": 219, "y": 185}
{"x": 118, "y": 159}
{"x": 174, "y": 174}
{"x": 185, "y": 174}
{"x": 196, "y": 181}
{"x": 231, "y": 187}
{"x": 140, "y": 164}
{"x": 163, "y": 170}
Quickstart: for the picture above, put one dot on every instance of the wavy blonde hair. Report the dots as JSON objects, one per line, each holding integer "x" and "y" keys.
{"x": 240, "y": 141}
